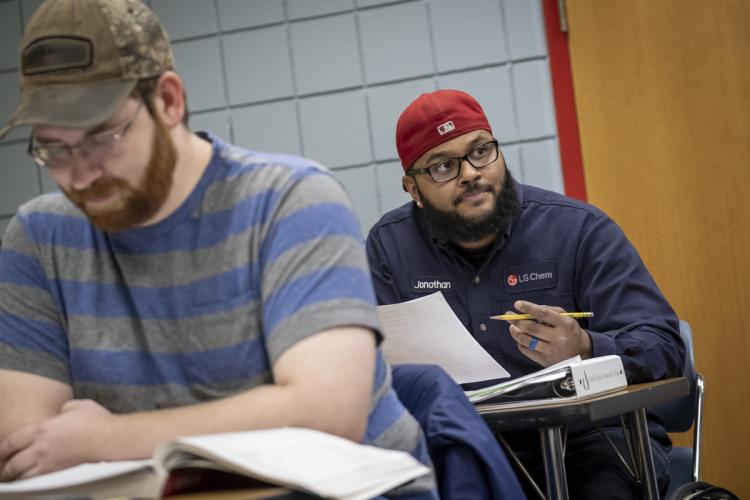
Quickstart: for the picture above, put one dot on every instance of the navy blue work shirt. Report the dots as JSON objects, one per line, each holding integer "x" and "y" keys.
{"x": 557, "y": 252}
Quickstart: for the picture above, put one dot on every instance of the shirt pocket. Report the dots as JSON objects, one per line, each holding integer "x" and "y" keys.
{"x": 564, "y": 300}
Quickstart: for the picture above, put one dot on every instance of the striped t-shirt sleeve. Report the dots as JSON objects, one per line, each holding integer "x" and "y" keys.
{"x": 32, "y": 337}
{"x": 314, "y": 273}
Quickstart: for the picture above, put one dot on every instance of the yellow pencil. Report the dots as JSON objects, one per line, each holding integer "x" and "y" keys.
{"x": 514, "y": 317}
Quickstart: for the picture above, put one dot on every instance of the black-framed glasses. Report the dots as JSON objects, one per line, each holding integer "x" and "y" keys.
{"x": 450, "y": 168}
{"x": 97, "y": 147}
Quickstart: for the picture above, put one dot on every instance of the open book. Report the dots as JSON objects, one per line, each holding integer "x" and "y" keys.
{"x": 298, "y": 459}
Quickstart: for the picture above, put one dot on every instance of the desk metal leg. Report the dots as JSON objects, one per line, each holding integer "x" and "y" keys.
{"x": 645, "y": 460}
{"x": 554, "y": 463}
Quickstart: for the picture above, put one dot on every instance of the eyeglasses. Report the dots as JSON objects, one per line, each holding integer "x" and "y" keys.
{"x": 96, "y": 147}
{"x": 450, "y": 168}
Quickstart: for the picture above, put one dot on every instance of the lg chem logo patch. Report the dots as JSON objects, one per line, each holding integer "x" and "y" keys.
{"x": 531, "y": 276}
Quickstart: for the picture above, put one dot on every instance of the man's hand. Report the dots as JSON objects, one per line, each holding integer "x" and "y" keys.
{"x": 551, "y": 337}
{"x": 78, "y": 434}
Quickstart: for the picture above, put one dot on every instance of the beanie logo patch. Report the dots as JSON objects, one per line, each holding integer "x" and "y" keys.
{"x": 446, "y": 127}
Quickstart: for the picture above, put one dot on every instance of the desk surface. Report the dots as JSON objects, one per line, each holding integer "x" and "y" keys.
{"x": 584, "y": 410}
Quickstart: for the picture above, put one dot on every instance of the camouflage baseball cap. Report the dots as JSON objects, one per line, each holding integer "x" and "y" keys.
{"x": 80, "y": 59}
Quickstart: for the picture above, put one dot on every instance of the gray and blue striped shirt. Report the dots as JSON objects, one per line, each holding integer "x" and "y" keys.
{"x": 264, "y": 252}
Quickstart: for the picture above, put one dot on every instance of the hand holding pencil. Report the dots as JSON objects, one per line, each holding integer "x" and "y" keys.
{"x": 547, "y": 334}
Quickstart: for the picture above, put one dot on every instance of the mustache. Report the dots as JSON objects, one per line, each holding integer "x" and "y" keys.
{"x": 98, "y": 189}
{"x": 473, "y": 188}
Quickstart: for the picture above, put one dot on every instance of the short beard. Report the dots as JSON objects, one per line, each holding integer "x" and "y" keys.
{"x": 451, "y": 227}
{"x": 136, "y": 204}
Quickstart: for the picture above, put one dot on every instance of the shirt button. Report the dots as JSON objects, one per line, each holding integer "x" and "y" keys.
{"x": 477, "y": 279}
{"x": 483, "y": 327}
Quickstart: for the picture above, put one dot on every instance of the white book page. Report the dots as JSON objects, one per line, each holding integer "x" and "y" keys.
{"x": 427, "y": 331}
{"x": 80, "y": 474}
{"x": 320, "y": 463}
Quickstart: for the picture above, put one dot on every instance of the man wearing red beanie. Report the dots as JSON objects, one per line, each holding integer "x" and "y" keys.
{"x": 491, "y": 244}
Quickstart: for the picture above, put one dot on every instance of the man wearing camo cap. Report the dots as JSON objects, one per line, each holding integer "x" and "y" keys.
{"x": 177, "y": 285}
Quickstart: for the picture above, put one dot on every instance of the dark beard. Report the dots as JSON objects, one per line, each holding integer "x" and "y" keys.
{"x": 450, "y": 227}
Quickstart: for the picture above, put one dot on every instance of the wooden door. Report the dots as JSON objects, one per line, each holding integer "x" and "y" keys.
{"x": 662, "y": 91}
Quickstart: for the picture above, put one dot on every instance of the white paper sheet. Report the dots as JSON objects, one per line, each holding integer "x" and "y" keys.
{"x": 427, "y": 331}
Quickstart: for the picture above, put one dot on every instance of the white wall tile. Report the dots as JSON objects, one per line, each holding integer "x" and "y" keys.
{"x": 541, "y": 165}
{"x": 361, "y": 186}
{"x": 492, "y": 89}
{"x": 386, "y": 104}
{"x": 199, "y": 63}
{"x": 467, "y": 33}
{"x": 306, "y": 8}
{"x": 524, "y": 24}
{"x": 28, "y": 7}
{"x": 3, "y": 225}
{"x": 334, "y": 129}
{"x": 268, "y": 127}
{"x": 186, "y": 18}
{"x": 19, "y": 182}
{"x": 534, "y": 104}
{"x": 392, "y": 194}
{"x": 9, "y": 99}
{"x": 512, "y": 155}
{"x": 237, "y": 14}
{"x": 369, "y": 3}
{"x": 395, "y": 42}
{"x": 258, "y": 66}
{"x": 10, "y": 34}
{"x": 325, "y": 54}
{"x": 48, "y": 185}
{"x": 216, "y": 122}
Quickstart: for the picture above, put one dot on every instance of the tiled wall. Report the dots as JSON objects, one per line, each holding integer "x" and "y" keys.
{"x": 327, "y": 79}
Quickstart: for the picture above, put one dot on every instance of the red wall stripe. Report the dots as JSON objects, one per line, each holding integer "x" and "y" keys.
{"x": 565, "y": 105}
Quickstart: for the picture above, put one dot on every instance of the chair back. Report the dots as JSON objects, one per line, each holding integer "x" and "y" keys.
{"x": 678, "y": 415}
{"x": 468, "y": 460}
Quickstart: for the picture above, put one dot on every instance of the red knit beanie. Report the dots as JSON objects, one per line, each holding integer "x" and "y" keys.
{"x": 435, "y": 118}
